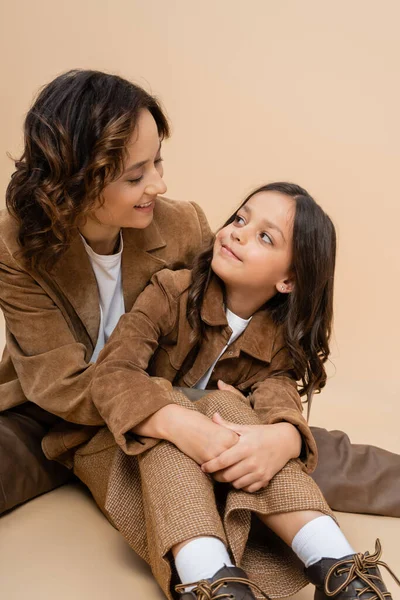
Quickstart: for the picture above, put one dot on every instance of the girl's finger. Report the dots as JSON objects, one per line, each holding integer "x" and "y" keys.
{"x": 255, "y": 487}
{"x": 226, "y": 459}
{"x": 228, "y": 388}
{"x": 233, "y": 426}
{"x": 237, "y": 471}
{"x": 246, "y": 481}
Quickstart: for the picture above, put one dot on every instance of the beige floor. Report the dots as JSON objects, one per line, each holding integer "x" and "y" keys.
{"x": 60, "y": 546}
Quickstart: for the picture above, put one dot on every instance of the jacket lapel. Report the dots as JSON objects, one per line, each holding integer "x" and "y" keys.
{"x": 139, "y": 262}
{"x": 259, "y": 337}
{"x": 212, "y": 310}
{"x": 74, "y": 276}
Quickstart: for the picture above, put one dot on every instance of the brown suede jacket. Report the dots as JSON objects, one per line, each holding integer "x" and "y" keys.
{"x": 154, "y": 340}
{"x": 52, "y": 318}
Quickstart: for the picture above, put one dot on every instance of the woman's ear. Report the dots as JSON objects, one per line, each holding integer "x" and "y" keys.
{"x": 286, "y": 286}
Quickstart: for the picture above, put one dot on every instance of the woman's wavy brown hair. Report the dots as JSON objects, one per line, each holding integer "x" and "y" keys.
{"x": 75, "y": 135}
{"x": 307, "y": 312}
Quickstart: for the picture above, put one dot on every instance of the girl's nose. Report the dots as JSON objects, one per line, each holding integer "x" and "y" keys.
{"x": 237, "y": 235}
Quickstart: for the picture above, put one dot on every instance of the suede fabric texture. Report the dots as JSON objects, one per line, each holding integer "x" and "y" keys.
{"x": 52, "y": 321}
{"x": 52, "y": 318}
{"x": 155, "y": 339}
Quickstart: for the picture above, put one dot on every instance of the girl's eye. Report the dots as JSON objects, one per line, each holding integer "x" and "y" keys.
{"x": 239, "y": 220}
{"x": 158, "y": 161}
{"x": 266, "y": 238}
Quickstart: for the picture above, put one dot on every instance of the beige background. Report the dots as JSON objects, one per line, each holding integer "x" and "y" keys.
{"x": 257, "y": 91}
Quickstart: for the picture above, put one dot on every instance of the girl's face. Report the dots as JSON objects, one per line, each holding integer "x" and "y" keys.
{"x": 254, "y": 253}
{"x": 129, "y": 201}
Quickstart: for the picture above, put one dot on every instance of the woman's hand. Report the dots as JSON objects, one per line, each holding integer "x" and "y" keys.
{"x": 195, "y": 434}
{"x": 261, "y": 452}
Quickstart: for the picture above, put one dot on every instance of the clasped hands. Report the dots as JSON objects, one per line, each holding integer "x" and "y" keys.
{"x": 246, "y": 456}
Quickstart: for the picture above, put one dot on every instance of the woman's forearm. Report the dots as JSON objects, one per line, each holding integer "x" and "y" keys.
{"x": 193, "y": 433}
{"x": 162, "y": 424}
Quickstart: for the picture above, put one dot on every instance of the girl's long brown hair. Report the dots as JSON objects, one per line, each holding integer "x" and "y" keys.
{"x": 307, "y": 312}
{"x": 75, "y": 138}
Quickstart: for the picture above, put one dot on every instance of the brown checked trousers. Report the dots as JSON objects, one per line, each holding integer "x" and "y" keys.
{"x": 161, "y": 497}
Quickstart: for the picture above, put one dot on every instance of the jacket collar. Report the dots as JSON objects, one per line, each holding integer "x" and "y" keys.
{"x": 212, "y": 310}
{"x": 147, "y": 239}
{"x": 138, "y": 262}
{"x": 74, "y": 276}
{"x": 258, "y": 338}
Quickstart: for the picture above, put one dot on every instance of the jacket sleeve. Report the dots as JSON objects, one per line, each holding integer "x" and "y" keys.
{"x": 123, "y": 392}
{"x": 275, "y": 399}
{"x": 42, "y": 350}
{"x": 48, "y": 360}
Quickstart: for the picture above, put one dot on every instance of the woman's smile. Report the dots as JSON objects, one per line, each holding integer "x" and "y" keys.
{"x": 145, "y": 206}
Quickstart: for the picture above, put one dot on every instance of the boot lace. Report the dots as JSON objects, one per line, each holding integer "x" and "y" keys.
{"x": 206, "y": 590}
{"x": 357, "y": 567}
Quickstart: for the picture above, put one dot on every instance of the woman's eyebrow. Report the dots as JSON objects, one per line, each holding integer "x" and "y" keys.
{"x": 265, "y": 222}
{"x": 136, "y": 166}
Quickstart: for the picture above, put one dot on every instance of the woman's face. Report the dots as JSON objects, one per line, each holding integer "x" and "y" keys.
{"x": 254, "y": 252}
{"x": 129, "y": 200}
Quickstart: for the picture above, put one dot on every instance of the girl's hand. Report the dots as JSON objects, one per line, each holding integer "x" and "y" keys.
{"x": 261, "y": 452}
{"x": 196, "y": 435}
{"x": 225, "y": 387}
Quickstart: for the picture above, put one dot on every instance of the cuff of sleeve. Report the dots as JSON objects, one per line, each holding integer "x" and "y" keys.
{"x": 134, "y": 444}
{"x": 137, "y": 444}
{"x": 309, "y": 452}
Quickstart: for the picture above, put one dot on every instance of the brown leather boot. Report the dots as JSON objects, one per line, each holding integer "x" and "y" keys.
{"x": 228, "y": 582}
{"x": 353, "y": 577}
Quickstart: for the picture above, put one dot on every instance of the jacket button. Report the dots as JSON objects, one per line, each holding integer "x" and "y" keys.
{"x": 230, "y": 352}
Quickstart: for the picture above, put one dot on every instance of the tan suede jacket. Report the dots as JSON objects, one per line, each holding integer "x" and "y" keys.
{"x": 154, "y": 341}
{"x": 52, "y": 318}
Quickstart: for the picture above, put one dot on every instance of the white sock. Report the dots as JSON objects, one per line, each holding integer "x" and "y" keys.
{"x": 200, "y": 559}
{"x": 320, "y": 538}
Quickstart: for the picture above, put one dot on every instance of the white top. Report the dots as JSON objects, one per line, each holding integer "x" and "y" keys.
{"x": 238, "y": 325}
{"x": 107, "y": 270}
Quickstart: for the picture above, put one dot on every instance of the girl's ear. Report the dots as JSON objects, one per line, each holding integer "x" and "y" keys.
{"x": 285, "y": 286}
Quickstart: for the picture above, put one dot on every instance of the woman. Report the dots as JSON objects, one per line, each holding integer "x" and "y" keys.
{"x": 57, "y": 235}
{"x": 91, "y": 167}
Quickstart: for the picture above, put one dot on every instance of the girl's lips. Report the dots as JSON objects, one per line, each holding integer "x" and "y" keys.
{"x": 228, "y": 252}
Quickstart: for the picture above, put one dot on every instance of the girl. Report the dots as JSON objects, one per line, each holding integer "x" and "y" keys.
{"x": 255, "y": 312}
